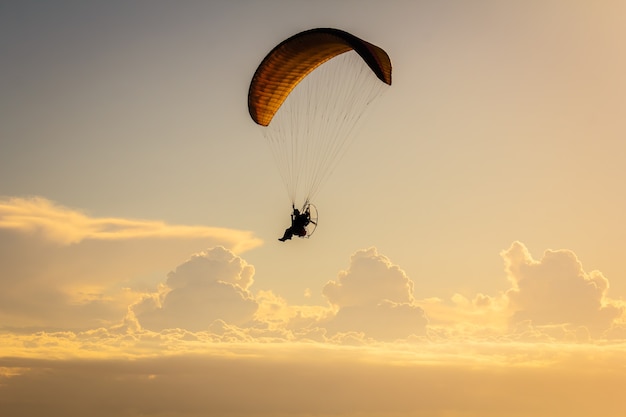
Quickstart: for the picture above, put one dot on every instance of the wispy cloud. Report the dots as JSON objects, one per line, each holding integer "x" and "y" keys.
{"x": 66, "y": 226}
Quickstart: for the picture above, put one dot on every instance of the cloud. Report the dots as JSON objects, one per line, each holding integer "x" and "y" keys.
{"x": 370, "y": 278}
{"x": 482, "y": 317}
{"x": 549, "y": 299}
{"x": 66, "y": 226}
{"x": 238, "y": 353}
{"x": 302, "y": 380}
{"x": 211, "y": 292}
{"x": 61, "y": 269}
{"x": 555, "y": 290}
{"x": 211, "y": 285}
{"x": 374, "y": 297}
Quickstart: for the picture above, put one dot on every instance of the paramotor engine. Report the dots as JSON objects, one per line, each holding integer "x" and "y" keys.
{"x": 309, "y": 95}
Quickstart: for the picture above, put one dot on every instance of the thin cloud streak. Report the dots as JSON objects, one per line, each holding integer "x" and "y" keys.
{"x": 66, "y": 226}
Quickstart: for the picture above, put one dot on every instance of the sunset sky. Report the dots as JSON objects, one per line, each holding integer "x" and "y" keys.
{"x": 469, "y": 259}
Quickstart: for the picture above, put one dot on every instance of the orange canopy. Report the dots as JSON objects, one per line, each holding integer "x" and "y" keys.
{"x": 293, "y": 59}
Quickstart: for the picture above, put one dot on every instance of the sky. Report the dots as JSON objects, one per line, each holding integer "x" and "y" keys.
{"x": 468, "y": 258}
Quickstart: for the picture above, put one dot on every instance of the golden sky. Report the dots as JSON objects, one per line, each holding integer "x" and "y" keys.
{"x": 468, "y": 260}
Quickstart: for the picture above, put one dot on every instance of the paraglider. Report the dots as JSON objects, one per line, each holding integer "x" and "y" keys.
{"x": 299, "y": 223}
{"x": 309, "y": 95}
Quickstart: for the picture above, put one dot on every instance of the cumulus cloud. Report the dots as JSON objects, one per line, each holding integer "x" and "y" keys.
{"x": 375, "y": 297}
{"x": 550, "y": 299}
{"x": 211, "y": 285}
{"x": 556, "y": 290}
{"x": 63, "y": 269}
{"x": 210, "y": 292}
{"x": 370, "y": 278}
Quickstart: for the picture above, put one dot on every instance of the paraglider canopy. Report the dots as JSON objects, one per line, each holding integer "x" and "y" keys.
{"x": 291, "y": 60}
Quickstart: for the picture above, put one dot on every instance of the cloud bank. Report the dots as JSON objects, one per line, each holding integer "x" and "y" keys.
{"x": 87, "y": 309}
{"x": 66, "y": 271}
{"x": 307, "y": 380}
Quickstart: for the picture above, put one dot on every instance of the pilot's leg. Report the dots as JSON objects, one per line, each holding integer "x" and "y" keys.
{"x": 288, "y": 234}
